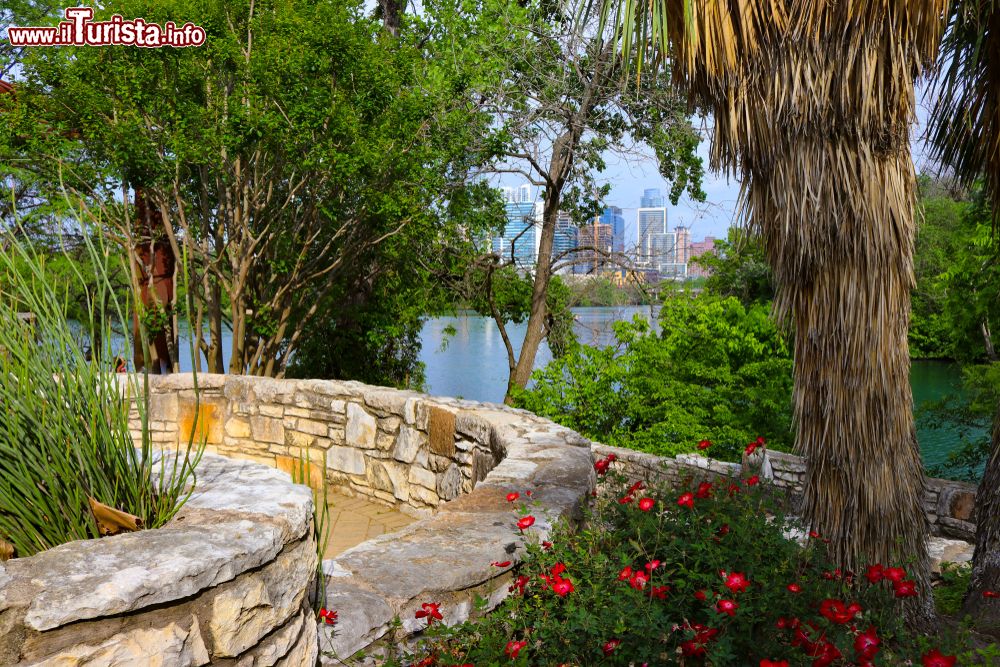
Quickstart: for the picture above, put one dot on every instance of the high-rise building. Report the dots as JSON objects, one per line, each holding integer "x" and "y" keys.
{"x": 683, "y": 250}
{"x": 613, "y": 217}
{"x": 599, "y": 238}
{"x": 564, "y": 242}
{"x": 651, "y": 198}
{"x": 522, "y": 232}
{"x": 700, "y": 248}
{"x": 651, "y": 224}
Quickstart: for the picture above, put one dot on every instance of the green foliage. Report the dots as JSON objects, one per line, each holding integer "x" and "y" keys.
{"x": 64, "y": 430}
{"x": 717, "y": 370}
{"x": 958, "y": 281}
{"x": 738, "y": 268}
{"x": 950, "y": 592}
{"x": 600, "y": 291}
{"x": 611, "y": 615}
{"x": 348, "y": 149}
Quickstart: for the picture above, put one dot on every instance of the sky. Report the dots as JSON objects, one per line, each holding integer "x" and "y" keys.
{"x": 630, "y": 176}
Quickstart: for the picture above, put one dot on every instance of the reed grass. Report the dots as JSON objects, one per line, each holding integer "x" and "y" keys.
{"x": 64, "y": 414}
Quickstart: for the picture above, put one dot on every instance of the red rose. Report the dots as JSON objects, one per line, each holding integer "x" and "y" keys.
{"x": 700, "y": 595}
{"x": 602, "y": 465}
{"x": 752, "y": 481}
{"x": 737, "y": 582}
{"x": 625, "y": 574}
{"x": 894, "y": 574}
{"x": 562, "y": 587}
{"x": 558, "y": 569}
{"x": 610, "y": 646}
{"x": 874, "y": 573}
{"x": 704, "y": 444}
{"x": 429, "y": 610}
{"x": 512, "y": 496}
{"x": 866, "y": 644}
{"x": 704, "y": 490}
{"x": 639, "y": 580}
{"x": 794, "y": 588}
{"x": 773, "y": 663}
{"x": 659, "y": 592}
{"x": 652, "y": 565}
{"x": 638, "y": 486}
{"x": 546, "y": 545}
{"x": 726, "y": 607}
{"x": 624, "y": 500}
{"x": 646, "y": 504}
{"x": 837, "y": 612}
{"x": 905, "y": 589}
{"x": 686, "y": 500}
{"x": 329, "y": 617}
{"x": 936, "y": 659}
{"x": 520, "y": 584}
{"x": 723, "y": 530}
{"x": 513, "y": 648}
{"x": 751, "y": 448}
{"x": 526, "y": 522}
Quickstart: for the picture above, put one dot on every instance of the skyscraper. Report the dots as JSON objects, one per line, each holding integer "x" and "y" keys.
{"x": 599, "y": 238}
{"x": 683, "y": 251}
{"x": 613, "y": 217}
{"x": 651, "y": 223}
{"x": 651, "y": 198}
{"x": 564, "y": 241}
{"x": 521, "y": 233}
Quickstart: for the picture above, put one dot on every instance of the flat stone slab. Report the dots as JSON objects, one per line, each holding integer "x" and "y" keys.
{"x": 445, "y": 552}
{"x": 241, "y": 517}
{"x": 942, "y": 550}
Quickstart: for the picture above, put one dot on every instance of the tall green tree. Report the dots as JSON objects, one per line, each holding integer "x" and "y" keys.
{"x": 560, "y": 110}
{"x": 284, "y": 155}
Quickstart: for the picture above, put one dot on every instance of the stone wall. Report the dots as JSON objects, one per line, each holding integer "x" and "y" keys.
{"x": 225, "y": 582}
{"x": 949, "y": 504}
{"x": 401, "y": 448}
{"x": 449, "y": 462}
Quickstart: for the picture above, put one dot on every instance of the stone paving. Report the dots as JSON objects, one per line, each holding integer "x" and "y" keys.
{"x": 356, "y": 520}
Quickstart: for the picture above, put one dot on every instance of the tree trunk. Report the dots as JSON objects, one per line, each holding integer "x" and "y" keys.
{"x": 844, "y": 272}
{"x": 535, "y": 332}
{"x": 986, "y": 559}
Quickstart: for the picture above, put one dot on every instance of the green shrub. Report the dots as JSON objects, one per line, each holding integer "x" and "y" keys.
{"x": 64, "y": 431}
{"x": 718, "y": 369}
{"x": 710, "y": 576}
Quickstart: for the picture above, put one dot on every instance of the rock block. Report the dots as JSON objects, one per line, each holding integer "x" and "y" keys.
{"x": 441, "y": 431}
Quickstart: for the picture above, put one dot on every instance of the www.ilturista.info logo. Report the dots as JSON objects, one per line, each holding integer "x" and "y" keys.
{"x": 79, "y": 30}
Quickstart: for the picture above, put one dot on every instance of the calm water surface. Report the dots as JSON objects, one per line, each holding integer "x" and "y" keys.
{"x": 472, "y": 364}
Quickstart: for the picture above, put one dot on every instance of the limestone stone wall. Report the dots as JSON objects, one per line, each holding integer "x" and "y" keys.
{"x": 226, "y": 582}
{"x": 403, "y": 449}
{"x": 949, "y": 504}
{"x": 449, "y": 462}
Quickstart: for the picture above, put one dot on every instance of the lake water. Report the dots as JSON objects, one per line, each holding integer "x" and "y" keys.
{"x": 472, "y": 364}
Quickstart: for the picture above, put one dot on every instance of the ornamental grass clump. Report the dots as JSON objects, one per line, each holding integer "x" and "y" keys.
{"x": 69, "y": 468}
{"x": 712, "y": 573}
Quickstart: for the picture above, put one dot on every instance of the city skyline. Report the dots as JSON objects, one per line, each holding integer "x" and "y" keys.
{"x": 659, "y": 251}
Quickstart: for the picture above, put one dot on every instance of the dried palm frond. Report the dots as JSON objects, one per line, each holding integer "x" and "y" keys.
{"x": 813, "y": 101}
{"x": 964, "y": 129}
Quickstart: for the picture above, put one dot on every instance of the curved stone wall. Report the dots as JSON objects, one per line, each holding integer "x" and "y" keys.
{"x": 450, "y": 462}
{"x": 225, "y": 582}
{"x": 949, "y": 504}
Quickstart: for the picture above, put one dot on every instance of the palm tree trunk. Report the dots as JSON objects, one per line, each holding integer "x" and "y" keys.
{"x": 986, "y": 559}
